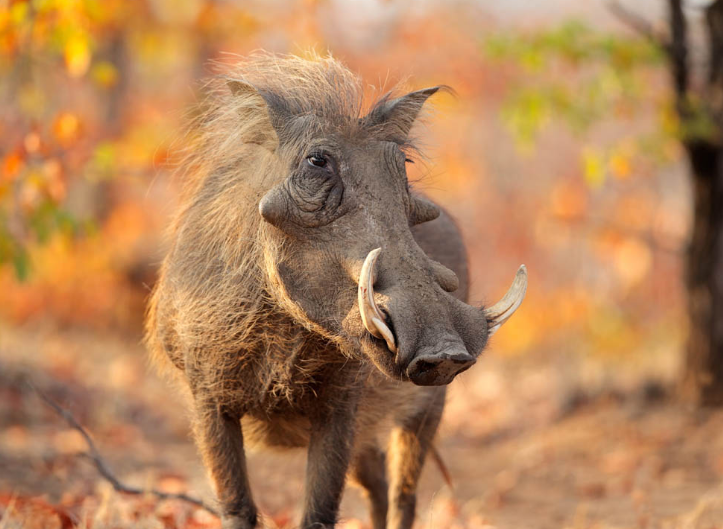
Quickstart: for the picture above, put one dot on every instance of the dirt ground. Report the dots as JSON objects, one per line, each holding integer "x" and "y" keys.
{"x": 539, "y": 443}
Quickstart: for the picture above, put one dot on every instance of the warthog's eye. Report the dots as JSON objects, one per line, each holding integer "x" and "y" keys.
{"x": 408, "y": 160}
{"x": 317, "y": 160}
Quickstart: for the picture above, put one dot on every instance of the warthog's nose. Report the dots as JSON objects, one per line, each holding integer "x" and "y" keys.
{"x": 438, "y": 369}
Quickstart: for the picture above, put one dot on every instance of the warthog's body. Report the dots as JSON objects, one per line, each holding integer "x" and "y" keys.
{"x": 260, "y": 302}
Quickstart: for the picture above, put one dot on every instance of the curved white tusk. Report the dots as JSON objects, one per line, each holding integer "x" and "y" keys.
{"x": 372, "y": 317}
{"x": 501, "y": 311}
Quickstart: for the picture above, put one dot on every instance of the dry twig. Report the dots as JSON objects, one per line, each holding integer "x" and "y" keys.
{"x": 638, "y": 24}
{"x": 104, "y": 470}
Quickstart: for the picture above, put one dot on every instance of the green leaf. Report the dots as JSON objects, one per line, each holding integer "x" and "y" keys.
{"x": 21, "y": 264}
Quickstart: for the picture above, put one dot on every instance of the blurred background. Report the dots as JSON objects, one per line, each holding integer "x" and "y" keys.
{"x": 567, "y": 147}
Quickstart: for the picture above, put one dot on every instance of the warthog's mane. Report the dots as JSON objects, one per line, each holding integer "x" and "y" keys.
{"x": 215, "y": 307}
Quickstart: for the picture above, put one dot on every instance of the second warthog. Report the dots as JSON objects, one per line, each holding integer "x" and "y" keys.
{"x": 309, "y": 297}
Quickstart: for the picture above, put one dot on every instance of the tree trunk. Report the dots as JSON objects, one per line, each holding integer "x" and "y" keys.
{"x": 702, "y": 382}
{"x": 703, "y": 377}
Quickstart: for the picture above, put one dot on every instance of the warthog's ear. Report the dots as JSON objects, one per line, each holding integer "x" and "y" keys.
{"x": 396, "y": 116}
{"x": 254, "y": 113}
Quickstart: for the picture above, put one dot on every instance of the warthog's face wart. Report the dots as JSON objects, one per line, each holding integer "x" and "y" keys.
{"x": 341, "y": 256}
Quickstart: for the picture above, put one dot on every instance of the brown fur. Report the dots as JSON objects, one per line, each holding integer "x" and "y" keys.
{"x": 223, "y": 316}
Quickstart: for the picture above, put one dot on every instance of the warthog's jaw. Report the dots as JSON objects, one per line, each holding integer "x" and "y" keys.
{"x": 441, "y": 363}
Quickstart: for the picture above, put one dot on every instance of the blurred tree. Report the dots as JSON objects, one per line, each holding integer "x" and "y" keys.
{"x": 90, "y": 92}
{"x": 590, "y": 74}
{"x": 699, "y": 107}
{"x": 81, "y": 84}
{"x": 701, "y": 116}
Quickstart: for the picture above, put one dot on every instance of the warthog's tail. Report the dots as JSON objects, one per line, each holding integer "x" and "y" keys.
{"x": 442, "y": 466}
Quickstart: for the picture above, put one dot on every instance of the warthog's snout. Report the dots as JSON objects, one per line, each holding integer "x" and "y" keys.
{"x": 431, "y": 335}
{"x": 439, "y": 369}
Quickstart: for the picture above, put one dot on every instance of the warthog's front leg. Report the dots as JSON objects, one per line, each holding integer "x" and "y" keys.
{"x": 330, "y": 445}
{"x": 409, "y": 445}
{"x": 220, "y": 440}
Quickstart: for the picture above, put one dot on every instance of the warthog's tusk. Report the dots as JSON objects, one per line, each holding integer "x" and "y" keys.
{"x": 372, "y": 317}
{"x": 501, "y": 311}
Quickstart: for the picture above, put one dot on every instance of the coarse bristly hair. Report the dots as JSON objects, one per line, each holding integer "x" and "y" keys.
{"x": 216, "y": 307}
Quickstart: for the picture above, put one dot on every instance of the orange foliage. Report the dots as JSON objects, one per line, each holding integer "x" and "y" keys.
{"x": 86, "y": 181}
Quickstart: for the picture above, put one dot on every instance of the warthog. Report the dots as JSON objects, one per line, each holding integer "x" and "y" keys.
{"x": 309, "y": 297}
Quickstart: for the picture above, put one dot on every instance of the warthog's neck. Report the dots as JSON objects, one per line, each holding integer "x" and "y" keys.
{"x": 286, "y": 370}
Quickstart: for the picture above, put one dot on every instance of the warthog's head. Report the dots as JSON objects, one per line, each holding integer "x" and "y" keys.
{"x": 337, "y": 207}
